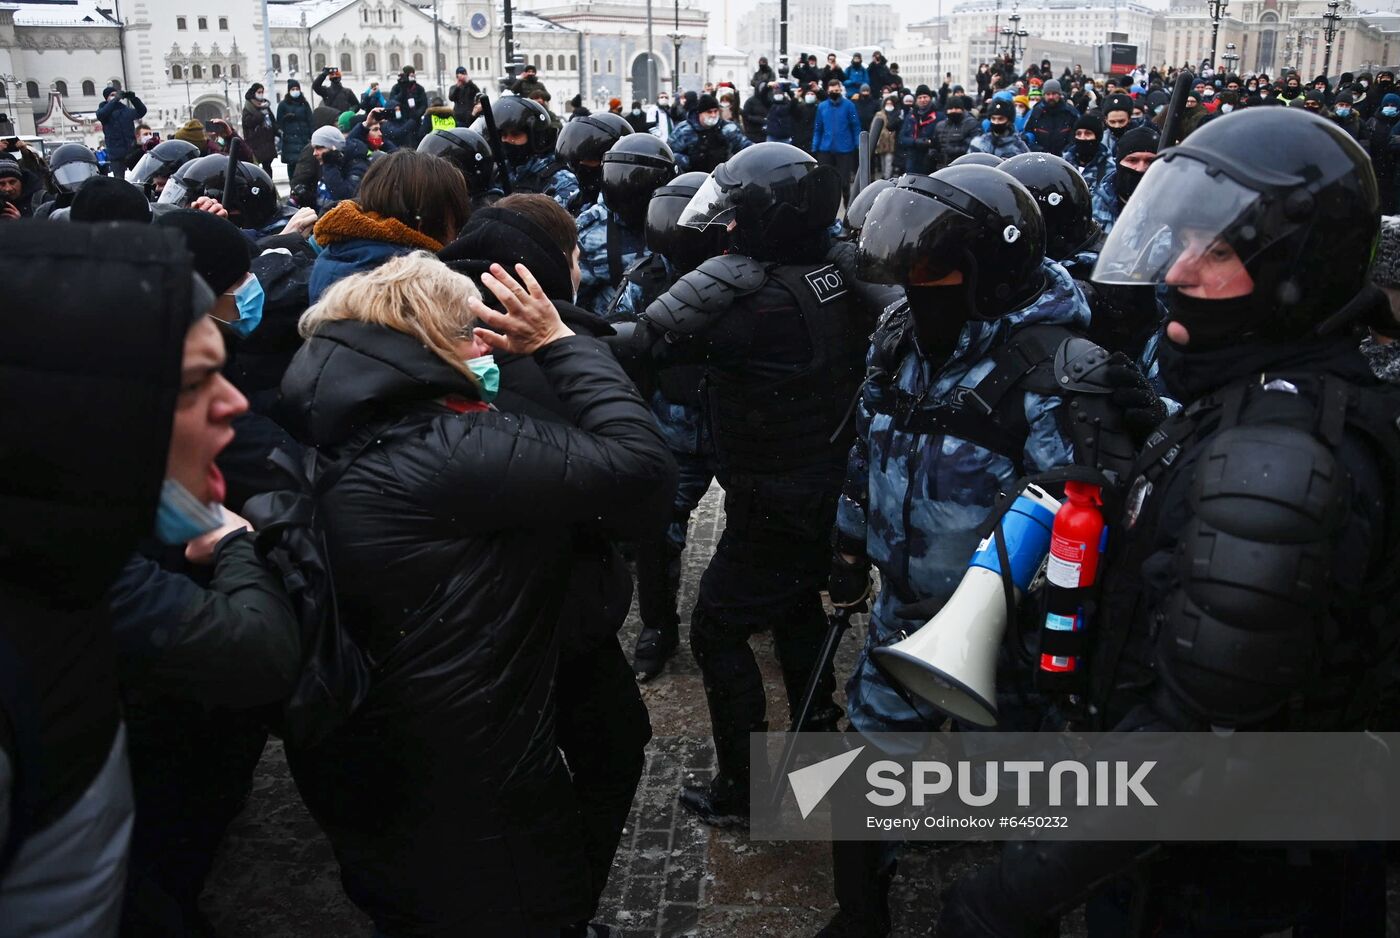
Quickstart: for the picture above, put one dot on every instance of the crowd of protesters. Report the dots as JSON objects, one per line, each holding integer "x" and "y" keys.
{"x": 373, "y": 466}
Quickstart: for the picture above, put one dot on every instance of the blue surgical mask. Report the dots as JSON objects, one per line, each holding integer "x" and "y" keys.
{"x": 249, "y": 297}
{"x": 488, "y": 375}
{"x": 1390, "y": 111}
{"x": 1343, "y": 111}
{"x": 180, "y": 517}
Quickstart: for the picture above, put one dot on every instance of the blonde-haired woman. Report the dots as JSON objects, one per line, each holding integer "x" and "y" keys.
{"x": 444, "y": 796}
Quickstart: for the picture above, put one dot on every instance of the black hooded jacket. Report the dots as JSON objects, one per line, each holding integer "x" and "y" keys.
{"x": 449, "y": 535}
{"x": 80, "y": 477}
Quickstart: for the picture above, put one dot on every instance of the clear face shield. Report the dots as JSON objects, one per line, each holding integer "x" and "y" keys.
{"x": 1187, "y": 225}
{"x": 711, "y": 205}
{"x": 174, "y": 193}
{"x": 72, "y": 175}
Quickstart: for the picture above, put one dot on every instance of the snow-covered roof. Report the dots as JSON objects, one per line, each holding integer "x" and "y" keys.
{"x": 531, "y": 22}
{"x": 58, "y": 13}
{"x": 721, "y": 52}
{"x": 287, "y": 15}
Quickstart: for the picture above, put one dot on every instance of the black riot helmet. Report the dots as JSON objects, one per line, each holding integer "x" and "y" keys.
{"x": 161, "y": 162}
{"x": 587, "y": 138}
{"x": 977, "y": 159}
{"x": 251, "y": 204}
{"x": 465, "y": 149}
{"x": 973, "y": 220}
{"x": 1304, "y": 224}
{"x": 778, "y": 196}
{"x": 686, "y": 248}
{"x": 72, "y": 165}
{"x": 514, "y": 114}
{"x": 1064, "y": 198}
{"x": 859, "y": 209}
{"x": 632, "y": 170}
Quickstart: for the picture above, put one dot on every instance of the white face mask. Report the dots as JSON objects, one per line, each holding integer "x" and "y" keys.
{"x": 663, "y": 102}
{"x": 294, "y": 94}
{"x": 889, "y": 108}
{"x": 810, "y": 98}
{"x": 710, "y": 120}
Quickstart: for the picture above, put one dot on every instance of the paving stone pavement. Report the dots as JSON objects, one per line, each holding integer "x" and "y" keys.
{"x": 277, "y": 878}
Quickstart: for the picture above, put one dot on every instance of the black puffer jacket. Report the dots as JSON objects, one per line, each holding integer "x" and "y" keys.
{"x": 449, "y": 536}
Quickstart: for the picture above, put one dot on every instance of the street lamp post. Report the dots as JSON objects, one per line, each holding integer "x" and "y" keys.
{"x": 1230, "y": 57}
{"x": 1329, "y": 32}
{"x": 676, "y": 54}
{"x": 1217, "y": 10}
{"x": 1014, "y": 34}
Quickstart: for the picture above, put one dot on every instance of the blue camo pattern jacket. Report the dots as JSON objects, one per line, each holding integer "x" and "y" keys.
{"x": 1097, "y": 168}
{"x": 560, "y": 187}
{"x": 915, "y": 500}
{"x": 1002, "y": 145}
{"x": 686, "y": 139}
{"x": 1106, "y": 207}
{"x": 597, "y": 286}
{"x": 680, "y": 424}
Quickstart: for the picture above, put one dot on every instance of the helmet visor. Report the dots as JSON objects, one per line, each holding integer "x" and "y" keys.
{"x": 1183, "y": 214}
{"x": 174, "y": 193}
{"x": 71, "y": 175}
{"x": 147, "y": 169}
{"x": 910, "y": 238}
{"x": 711, "y": 205}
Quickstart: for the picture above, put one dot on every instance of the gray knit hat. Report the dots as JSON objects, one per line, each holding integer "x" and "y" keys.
{"x": 1386, "y": 272}
{"x": 1051, "y": 87}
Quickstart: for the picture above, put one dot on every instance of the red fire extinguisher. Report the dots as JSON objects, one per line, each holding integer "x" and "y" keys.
{"x": 1077, "y": 543}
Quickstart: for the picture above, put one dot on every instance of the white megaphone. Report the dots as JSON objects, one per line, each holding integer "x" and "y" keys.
{"x": 951, "y": 661}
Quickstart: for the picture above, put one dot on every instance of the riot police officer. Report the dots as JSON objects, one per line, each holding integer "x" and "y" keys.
{"x": 673, "y": 250}
{"x": 159, "y": 163}
{"x": 70, "y": 166}
{"x": 469, "y": 152}
{"x": 611, "y": 233}
{"x": 251, "y": 204}
{"x": 582, "y": 143}
{"x": 778, "y": 389}
{"x": 528, "y": 138}
{"x": 1259, "y": 594}
{"x": 980, "y": 377}
{"x": 1124, "y": 318}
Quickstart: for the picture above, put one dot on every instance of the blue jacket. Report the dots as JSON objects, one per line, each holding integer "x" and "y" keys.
{"x": 1004, "y": 146}
{"x": 1096, "y": 169}
{"x": 1049, "y": 129}
{"x": 913, "y": 501}
{"x": 687, "y": 140}
{"x": 856, "y": 75}
{"x": 598, "y": 284}
{"x": 119, "y": 125}
{"x": 837, "y": 129}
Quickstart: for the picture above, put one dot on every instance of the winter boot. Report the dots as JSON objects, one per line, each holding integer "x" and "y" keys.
{"x": 658, "y": 585}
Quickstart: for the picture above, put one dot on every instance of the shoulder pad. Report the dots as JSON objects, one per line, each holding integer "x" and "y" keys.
{"x": 1081, "y": 365}
{"x": 707, "y": 291}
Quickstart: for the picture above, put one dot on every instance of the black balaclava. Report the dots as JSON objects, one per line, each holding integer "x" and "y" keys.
{"x": 1085, "y": 151}
{"x": 1137, "y": 140}
{"x": 938, "y": 315}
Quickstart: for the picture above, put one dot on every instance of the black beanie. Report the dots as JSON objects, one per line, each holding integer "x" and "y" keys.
{"x": 103, "y": 198}
{"x": 1003, "y": 107}
{"x": 501, "y": 236}
{"x": 1137, "y": 140}
{"x": 706, "y": 102}
{"x": 9, "y": 169}
{"x": 1091, "y": 123}
{"x": 220, "y": 251}
{"x": 1118, "y": 102}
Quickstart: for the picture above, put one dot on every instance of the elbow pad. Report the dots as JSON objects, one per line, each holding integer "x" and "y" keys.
{"x": 1240, "y": 629}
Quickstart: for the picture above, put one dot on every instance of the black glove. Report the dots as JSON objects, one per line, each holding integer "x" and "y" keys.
{"x": 331, "y": 157}
{"x": 849, "y": 583}
{"x": 1142, "y": 409}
